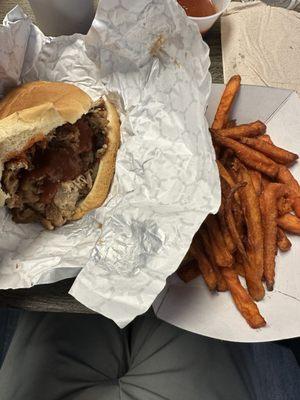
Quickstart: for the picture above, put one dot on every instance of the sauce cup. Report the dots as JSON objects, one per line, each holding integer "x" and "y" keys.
{"x": 205, "y": 23}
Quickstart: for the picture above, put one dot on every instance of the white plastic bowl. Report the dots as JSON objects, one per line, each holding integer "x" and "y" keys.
{"x": 205, "y": 23}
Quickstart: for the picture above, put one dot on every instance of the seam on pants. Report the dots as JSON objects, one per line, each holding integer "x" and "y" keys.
{"x": 159, "y": 396}
{"x": 148, "y": 336}
{"x": 120, "y": 391}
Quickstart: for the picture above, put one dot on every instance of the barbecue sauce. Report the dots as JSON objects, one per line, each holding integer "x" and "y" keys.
{"x": 49, "y": 190}
{"x": 86, "y": 136}
{"x": 198, "y": 8}
{"x": 58, "y": 163}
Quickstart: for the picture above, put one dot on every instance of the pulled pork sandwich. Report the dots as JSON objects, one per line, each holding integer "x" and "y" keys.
{"x": 57, "y": 152}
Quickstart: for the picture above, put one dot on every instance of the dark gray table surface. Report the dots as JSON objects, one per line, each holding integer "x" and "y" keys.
{"x": 55, "y": 297}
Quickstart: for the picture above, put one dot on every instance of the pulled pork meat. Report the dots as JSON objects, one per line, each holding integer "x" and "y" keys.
{"x": 47, "y": 182}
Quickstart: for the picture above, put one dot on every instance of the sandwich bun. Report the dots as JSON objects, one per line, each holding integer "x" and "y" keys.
{"x": 30, "y": 112}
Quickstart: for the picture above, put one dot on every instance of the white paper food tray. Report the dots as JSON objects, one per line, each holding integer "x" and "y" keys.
{"x": 191, "y": 306}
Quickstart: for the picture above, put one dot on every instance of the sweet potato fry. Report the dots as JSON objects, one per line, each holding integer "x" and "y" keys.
{"x": 222, "y": 114}
{"x": 189, "y": 271}
{"x": 222, "y": 221}
{"x": 231, "y": 222}
{"x": 224, "y": 174}
{"x": 242, "y": 300}
{"x": 284, "y": 205}
{"x": 289, "y": 223}
{"x": 277, "y": 154}
{"x": 188, "y": 257}
{"x": 221, "y": 283}
{"x": 255, "y": 249}
{"x": 239, "y": 269}
{"x": 226, "y": 156}
{"x": 202, "y": 235}
{"x": 231, "y": 123}
{"x": 256, "y": 181}
{"x": 204, "y": 265}
{"x": 238, "y": 258}
{"x": 239, "y": 218}
{"x": 223, "y": 226}
{"x": 269, "y": 211}
{"x": 264, "y": 182}
{"x": 252, "y": 158}
{"x": 296, "y": 205}
{"x": 221, "y": 254}
{"x": 252, "y": 274}
{"x": 236, "y": 207}
{"x": 283, "y": 242}
{"x": 265, "y": 138}
{"x": 246, "y": 130}
{"x": 226, "y": 185}
{"x": 285, "y": 176}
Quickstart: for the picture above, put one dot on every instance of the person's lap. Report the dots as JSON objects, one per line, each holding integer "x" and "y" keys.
{"x": 8, "y": 322}
{"x": 80, "y": 357}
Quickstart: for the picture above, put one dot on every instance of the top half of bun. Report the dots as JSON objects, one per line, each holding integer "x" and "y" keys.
{"x": 29, "y": 112}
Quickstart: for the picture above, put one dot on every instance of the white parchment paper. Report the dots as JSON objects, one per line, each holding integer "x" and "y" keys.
{"x": 151, "y": 61}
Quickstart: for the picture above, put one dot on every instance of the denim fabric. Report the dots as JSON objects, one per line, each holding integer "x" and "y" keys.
{"x": 272, "y": 369}
{"x": 294, "y": 345}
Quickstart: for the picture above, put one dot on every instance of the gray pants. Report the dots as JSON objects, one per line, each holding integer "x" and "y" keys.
{"x": 86, "y": 357}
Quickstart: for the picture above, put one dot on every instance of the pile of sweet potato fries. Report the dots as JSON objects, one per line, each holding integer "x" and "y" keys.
{"x": 260, "y": 203}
